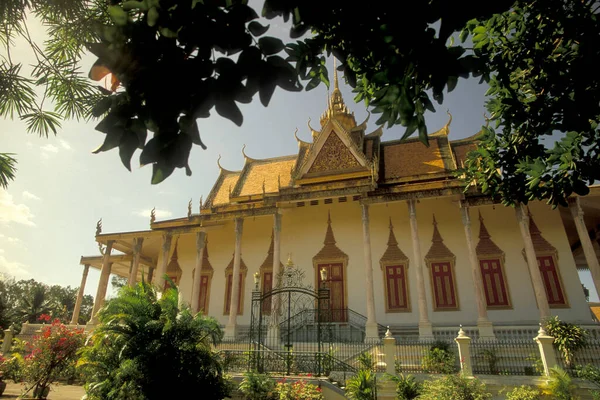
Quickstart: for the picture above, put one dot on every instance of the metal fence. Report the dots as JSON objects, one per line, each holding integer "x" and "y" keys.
{"x": 588, "y": 355}
{"x": 417, "y": 356}
{"x": 506, "y": 357}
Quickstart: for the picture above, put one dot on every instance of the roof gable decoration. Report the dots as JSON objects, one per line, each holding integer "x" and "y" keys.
{"x": 173, "y": 269}
{"x": 486, "y": 246}
{"x": 330, "y": 251}
{"x": 333, "y": 151}
{"x": 438, "y": 250}
{"x": 393, "y": 253}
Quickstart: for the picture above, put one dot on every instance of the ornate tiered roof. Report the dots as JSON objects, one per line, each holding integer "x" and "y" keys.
{"x": 392, "y": 252}
{"x": 330, "y": 251}
{"x": 438, "y": 250}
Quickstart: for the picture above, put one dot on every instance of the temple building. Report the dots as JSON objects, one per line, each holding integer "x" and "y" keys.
{"x": 386, "y": 225}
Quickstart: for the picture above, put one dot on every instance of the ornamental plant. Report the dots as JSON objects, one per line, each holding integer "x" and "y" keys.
{"x": 454, "y": 387}
{"x": 568, "y": 338}
{"x": 298, "y": 390}
{"x": 439, "y": 359}
{"x": 51, "y": 353}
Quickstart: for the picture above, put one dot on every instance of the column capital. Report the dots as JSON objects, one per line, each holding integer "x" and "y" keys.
{"x": 465, "y": 215}
{"x": 137, "y": 245}
{"x": 575, "y": 207}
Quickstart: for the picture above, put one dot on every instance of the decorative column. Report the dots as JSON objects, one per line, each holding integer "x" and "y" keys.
{"x": 230, "y": 328}
{"x": 137, "y": 254}
{"x": 484, "y": 325}
{"x": 425, "y": 329}
{"x": 162, "y": 268}
{"x": 77, "y": 309}
{"x": 103, "y": 283}
{"x": 547, "y": 353}
{"x": 586, "y": 242}
{"x": 371, "y": 325}
{"x": 200, "y": 240}
{"x": 150, "y": 274}
{"x": 464, "y": 353}
{"x": 534, "y": 270}
{"x": 273, "y": 333}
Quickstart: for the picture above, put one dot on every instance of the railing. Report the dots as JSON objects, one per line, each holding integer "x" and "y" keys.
{"x": 415, "y": 356}
{"x": 506, "y": 357}
{"x": 588, "y": 355}
{"x": 282, "y": 362}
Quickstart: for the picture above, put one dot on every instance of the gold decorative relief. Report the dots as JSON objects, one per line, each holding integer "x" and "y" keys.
{"x": 334, "y": 156}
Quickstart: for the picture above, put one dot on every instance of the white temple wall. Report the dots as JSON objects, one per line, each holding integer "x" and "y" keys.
{"x": 303, "y": 232}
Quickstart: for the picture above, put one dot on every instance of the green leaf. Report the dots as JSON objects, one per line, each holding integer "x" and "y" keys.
{"x": 166, "y": 32}
{"x": 112, "y": 140}
{"x": 118, "y": 15}
{"x": 313, "y": 83}
{"x": 257, "y": 29}
{"x": 129, "y": 143}
{"x": 152, "y": 17}
{"x": 452, "y": 81}
{"x": 270, "y": 45}
{"x": 102, "y": 106}
{"x": 160, "y": 172}
{"x": 229, "y": 109}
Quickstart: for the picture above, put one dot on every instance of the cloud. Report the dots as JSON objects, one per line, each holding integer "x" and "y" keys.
{"x": 13, "y": 212}
{"x": 50, "y": 148}
{"x": 30, "y": 196}
{"x": 14, "y": 268}
{"x": 65, "y": 144}
{"x": 159, "y": 213}
{"x": 13, "y": 240}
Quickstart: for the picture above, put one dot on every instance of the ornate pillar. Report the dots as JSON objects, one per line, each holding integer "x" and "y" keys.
{"x": 137, "y": 253}
{"x": 534, "y": 270}
{"x": 230, "y": 328}
{"x": 200, "y": 240}
{"x": 150, "y": 274}
{"x": 586, "y": 242}
{"x": 371, "y": 325}
{"x": 425, "y": 329}
{"x": 274, "y": 321}
{"x": 483, "y": 323}
{"x": 162, "y": 268}
{"x": 79, "y": 300}
{"x": 103, "y": 283}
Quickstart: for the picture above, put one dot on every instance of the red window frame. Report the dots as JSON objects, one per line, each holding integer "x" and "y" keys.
{"x": 267, "y": 286}
{"x": 552, "y": 284}
{"x": 494, "y": 284}
{"x": 396, "y": 290}
{"x": 443, "y": 286}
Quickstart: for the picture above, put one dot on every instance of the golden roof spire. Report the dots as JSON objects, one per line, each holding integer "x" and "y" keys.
{"x": 336, "y": 85}
{"x": 329, "y": 238}
{"x": 336, "y": 108}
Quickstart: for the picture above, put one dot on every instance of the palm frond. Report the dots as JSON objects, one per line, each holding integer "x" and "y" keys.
{"x": 8, "y": 169}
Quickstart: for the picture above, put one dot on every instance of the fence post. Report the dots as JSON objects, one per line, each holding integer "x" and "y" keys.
{"x": 7, "y": 344}
{"x": 389, "y": 349}
{"x": 547, "y": 353}
{"x": 464, "y": 352}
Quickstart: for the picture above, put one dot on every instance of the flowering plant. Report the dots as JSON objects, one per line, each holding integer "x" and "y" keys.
{"x": 44, "y": 318}
{"x": 298, "y": 390}
{"x": 52, "y": 352}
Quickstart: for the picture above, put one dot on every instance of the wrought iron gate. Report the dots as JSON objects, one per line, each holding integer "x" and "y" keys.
{"x": 288, "y": 326}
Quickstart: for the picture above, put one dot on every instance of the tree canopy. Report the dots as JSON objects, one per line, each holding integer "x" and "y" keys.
{"x": 174, "y": 61}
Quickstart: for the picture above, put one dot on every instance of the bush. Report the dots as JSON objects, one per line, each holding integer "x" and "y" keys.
{"x": 361, "y": 386}
{"x": 454, "y": 387}
{"x": 298, "y": 390}
{"x": 13, "y": 368}
{"x": 439, "y": 359}
{"x": 152, "y": 349}
{"x": 560, "y": 386}
{"x": 591, "y": 374}
{"x": 365, "y": 361}
{"x": 407, "y": 387}
{"x": 524, "y": 393}
{"x": 568, "y": 338}
{"x": 257, "y": 386}
{"x": 52, "y": 352}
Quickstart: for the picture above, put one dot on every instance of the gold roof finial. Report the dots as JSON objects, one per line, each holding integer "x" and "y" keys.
{"x": 200, "y": 207}
{"x": 99, "y": 227}
{"x": 219, "y": 162}
{"x": 152, "y": 215}
{"x": 189, "y": 214}
{"x": 336, "y": 85}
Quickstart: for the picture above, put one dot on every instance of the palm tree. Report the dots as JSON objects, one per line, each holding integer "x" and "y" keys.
{"x": 145, "y": 347}
{"x": 34, "y": 304}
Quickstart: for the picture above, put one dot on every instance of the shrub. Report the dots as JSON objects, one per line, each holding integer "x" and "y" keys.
{"x": 152, "y": 349}
{"x": 560, "y": 386}
{"x": 257, "y": 386}
{"x": 454, "y": 387}
{"x": 13, "y": 368}
{"x": 52, "y": 352}
{"x": 591, "y": 374}
{"x": 439, "y": 359}
{"x": 361, "y": 386}
{"x": 568, "y": 338}
{"x": 298, "y": 390}
{"x": 365, "y": 361}
{"x": 407, "y": 387}
{"x": 524, "y": 392}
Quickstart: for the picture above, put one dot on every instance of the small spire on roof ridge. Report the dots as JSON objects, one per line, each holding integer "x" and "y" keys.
{"x": 480, "y": 216}
{"x": 329, "y": 217}
{"x": 391, "y": 226}
{"x": 336, "y": 85}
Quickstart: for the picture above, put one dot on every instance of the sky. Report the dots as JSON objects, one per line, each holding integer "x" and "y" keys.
{"x": 48, "y": 214}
